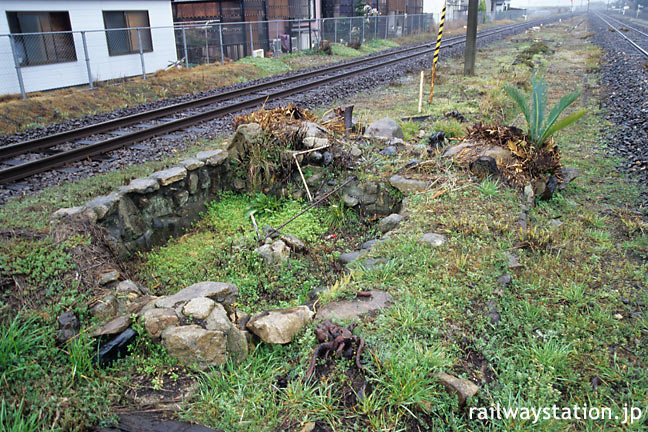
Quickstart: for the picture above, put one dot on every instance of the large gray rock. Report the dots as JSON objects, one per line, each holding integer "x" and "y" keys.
{"x": 169, "y": 175}
{"x": 142, "y": 186}
{"x": 112, "y": 327}
{"x": 212, "y": 157}
{"x": 293, "y": 242}
{"x": 65, "y": 212}
{"x": 108, "y": 277}
{"x": 199, "y": 307}
{"x": 390, "y": 222}
{"x": 274, "y": 253}
{"x": 128, "y": 288}
{"x": 406, "y": 185}
{"x": 156, "y": 320}
{"x": 237, "y": 345}
{"x": 434, "y": 239}
{"x": 314, "y": 142}
{"x": 218, "y": 320}
{"x": 349, "y": 257}
{"x": 107, "y": 307}
{"x": 471, "y": 150}
{"x": 279, "y": 326}
{"x": 191, "y": 164}
{"x": 103, "y": 206}
{"x": 567, "y": 174}
{"x": 193, "y": 344}
{"x": 463, "y": 388}
{"x": 385, "y": 128}
{"x": 314, "y": 130}
{"x": 370, "y": 243}
{"x": 454, "y": 150}
{"x": 69, "y": 326}
{"x": 218, "y": 291}
{"x": 351, "y": 309}
{"x": 245, "y": 135}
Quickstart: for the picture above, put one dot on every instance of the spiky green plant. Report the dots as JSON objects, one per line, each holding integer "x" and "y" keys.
{"x": 540, "y": 130}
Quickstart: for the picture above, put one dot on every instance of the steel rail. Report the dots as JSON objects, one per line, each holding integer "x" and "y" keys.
{"x": 110, "y": 125}
{"x": 33, "y": 167}
{"x": 627, "y": 25}
{"x": 630, "y": 41}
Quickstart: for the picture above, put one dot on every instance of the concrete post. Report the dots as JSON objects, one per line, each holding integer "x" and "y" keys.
{"x": 87, "y": 59}
{"x": 375, "y": 27}
{"x": 184, "y": 44}
{"x": 220, "y": 33}
{"x": 21, "y": 83}
{"x": 207, "y": 42}
{"x": 141, "y": 51}
{"x": 251, "y": 41}
{"x": 334, "y": 30}
{"x": 471, "y": 38}
{"x": 350, "y": 28}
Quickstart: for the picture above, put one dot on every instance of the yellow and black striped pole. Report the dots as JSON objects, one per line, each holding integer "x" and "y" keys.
{"x": 436, "y": 51}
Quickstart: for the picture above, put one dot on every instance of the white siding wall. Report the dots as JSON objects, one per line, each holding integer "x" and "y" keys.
{"x": 87, "y": 15}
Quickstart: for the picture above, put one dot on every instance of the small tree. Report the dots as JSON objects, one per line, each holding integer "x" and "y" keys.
{"x": 539, "y": 130}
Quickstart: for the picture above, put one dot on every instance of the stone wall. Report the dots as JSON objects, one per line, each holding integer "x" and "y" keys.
{"x": 149, "y": 210}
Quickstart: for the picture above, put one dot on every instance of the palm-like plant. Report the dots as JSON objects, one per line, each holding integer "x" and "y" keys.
{"x": 540, "y": 130}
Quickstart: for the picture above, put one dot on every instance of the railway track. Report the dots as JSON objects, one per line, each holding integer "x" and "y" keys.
{"x": 641, "y": 46}
{"x": 48, "y": 152}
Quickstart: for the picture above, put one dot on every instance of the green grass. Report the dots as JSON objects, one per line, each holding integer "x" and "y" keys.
{"x": 266, "y": 66}
{"x": 42, "y": 262}
{"x": 221, "y": 247}
{"x": 13, "y": 419}
{"x": 345, "y": 51}
{"x": 380, "y": 44}
{"x": 20, "y": 337}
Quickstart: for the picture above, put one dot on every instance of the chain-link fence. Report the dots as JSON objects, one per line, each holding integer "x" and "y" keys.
{"x": 43, "y": 61}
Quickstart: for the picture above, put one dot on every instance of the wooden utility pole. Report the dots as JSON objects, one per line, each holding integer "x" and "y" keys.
{"x": 471, "y": 38}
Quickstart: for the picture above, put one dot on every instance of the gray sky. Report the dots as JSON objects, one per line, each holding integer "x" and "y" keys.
{"x": 435, "y": 5}
{"x": 538, "y": 3}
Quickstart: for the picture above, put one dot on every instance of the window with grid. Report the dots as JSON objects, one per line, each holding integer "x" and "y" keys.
{"x": 122, "y": 32}
{"x": 52, "y": 46}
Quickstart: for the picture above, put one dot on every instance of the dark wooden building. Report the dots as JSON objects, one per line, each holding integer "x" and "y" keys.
{"x": 239, "y": 37}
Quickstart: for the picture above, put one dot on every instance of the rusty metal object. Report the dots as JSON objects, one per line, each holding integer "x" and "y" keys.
{"x": 336, "y": 340}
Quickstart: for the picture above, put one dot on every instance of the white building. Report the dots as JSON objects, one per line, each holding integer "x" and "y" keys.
{"x": 51, "y": 60}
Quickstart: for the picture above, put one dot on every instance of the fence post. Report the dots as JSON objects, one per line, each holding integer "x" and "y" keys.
{"x": 141, "y": 51}
{"x": 334, "y": 30}
{"x": 207, "y": 42}
{"x": 298, "y": 35}
{"x": 363, "y": 26}
{"x": 278, "y": 38}
{"x": 386, "y": 27}
{"x": 375, "y": 27}
{"x": 21, "y": 83}
{"x": 184, "y": 44}
{"x": 350, "y": 28}
{"x": 87, "y": 59}
{"x": 251, "y": 41}
{"x": 310, "y": 35}
{"x": 220, "y": 32}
